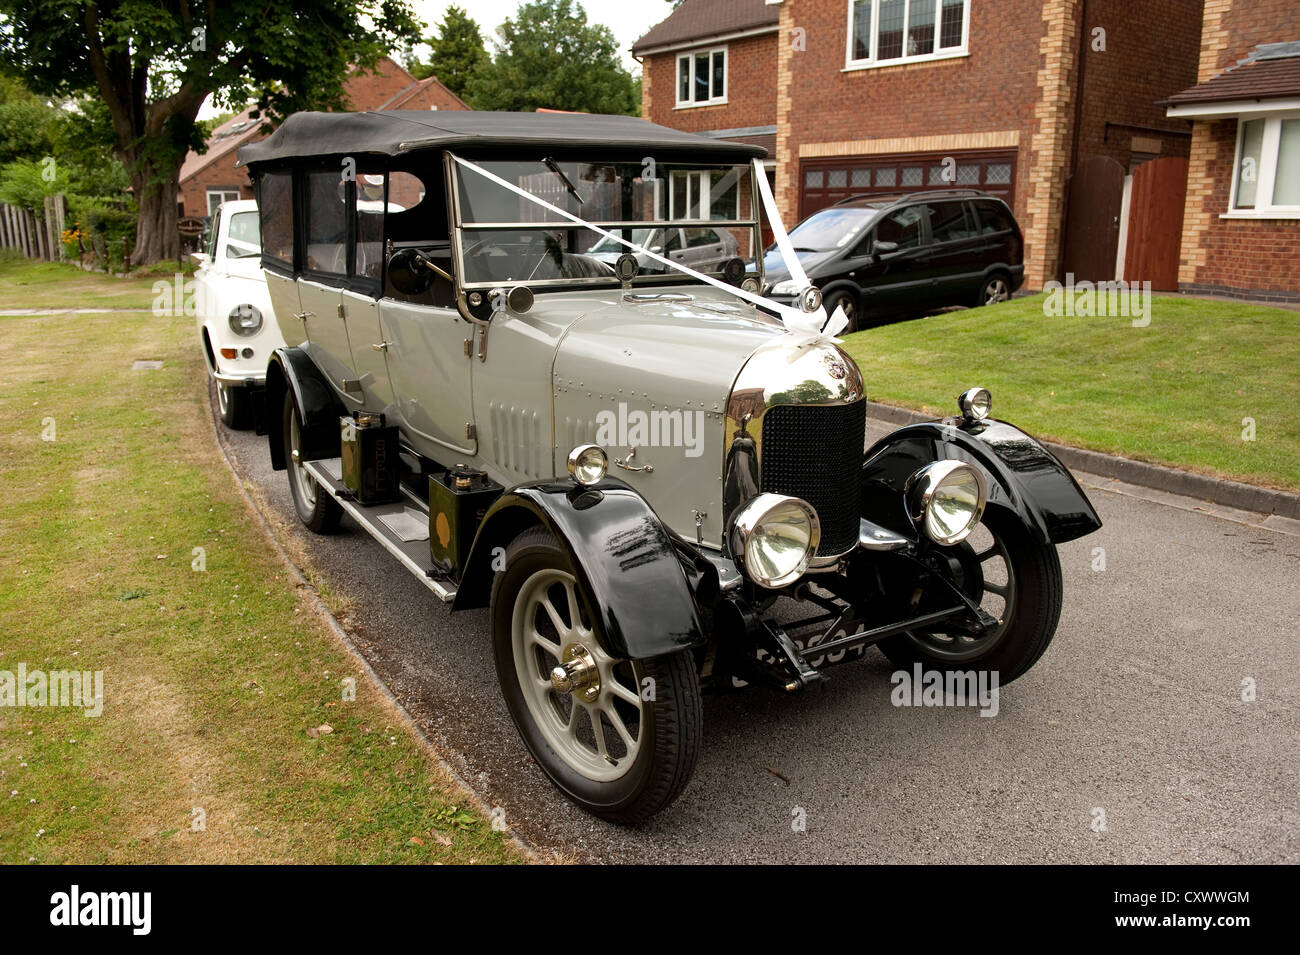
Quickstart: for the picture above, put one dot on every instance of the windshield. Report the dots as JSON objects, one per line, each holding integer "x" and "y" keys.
{"x": 245, "y": 236}
{"x": 830, "y": 229}
{"x": 702, "y": 216}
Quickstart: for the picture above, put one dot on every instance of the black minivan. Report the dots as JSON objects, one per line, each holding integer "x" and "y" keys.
{"x": 887, "y": 256}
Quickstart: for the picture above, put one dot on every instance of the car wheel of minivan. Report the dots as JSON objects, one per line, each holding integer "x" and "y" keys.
{"x": 618, "y": 737}
{"x": 848, "y": 302}
{"x": 316, "y": 509}
{"x": 996, "y": 288}
{"x": 236, "y": 406}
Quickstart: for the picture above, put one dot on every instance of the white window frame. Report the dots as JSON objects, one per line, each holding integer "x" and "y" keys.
{"x": 1269, "y": 153}
{"x": 227, "y": 195}
{"x": 871, "y": 63}
{"x": 699, "y": 185}
{"x": 690, "y": 56}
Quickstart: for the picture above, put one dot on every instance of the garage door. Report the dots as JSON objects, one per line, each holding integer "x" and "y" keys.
{"x": 825, "y": 182}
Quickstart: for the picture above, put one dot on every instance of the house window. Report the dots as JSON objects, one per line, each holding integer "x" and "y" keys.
{"x": 706, "y": 194}
{"x": 885, "y": 32}
{"x": 217, "y": 196}
{"x": 1267, "y": 172}
{"x": 702, "y": 78}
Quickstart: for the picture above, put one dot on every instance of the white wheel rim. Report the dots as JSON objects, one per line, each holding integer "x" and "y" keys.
{"x": 304, "y": 482}
{"x": 598, "y": 739}
{"x": 223, "y": 399}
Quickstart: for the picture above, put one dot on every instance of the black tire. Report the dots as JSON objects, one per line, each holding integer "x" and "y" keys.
{"x": 994, "y": 289}
{"x": 320, "y": 512}
{"x": 236, "y": 406}
{"x": 668, "y": 726}
{"x": 1029, "y": 619}
{"x": 850, "y": 303}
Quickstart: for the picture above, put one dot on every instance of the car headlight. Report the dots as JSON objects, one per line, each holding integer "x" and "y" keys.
{"x": 588, "y": 464}
{"x": 245, "y": 320}
{"x": 975, "y": 403}
{"x": 946, "y": 499}
{"x": 788, "y": 287}
{"x": 773, "y": 537}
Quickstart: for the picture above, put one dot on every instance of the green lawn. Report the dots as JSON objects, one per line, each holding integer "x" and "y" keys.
{"x": 217, "y": 675}
{"x": 31, "y": 284}
{"x": 1174, "y": 392}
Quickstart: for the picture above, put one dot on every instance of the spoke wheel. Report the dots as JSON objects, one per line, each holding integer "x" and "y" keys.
{"x": 595, "y": 727}
{"x": 1016, "y": 579}
{"x": 320, "y": 512}
{"x": 996, "y": 289}
{"x": 618, "y": 737}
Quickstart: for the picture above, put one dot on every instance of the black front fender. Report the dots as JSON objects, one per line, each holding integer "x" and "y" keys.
{"x": 620, "y": 551}
{"x": 1023, "y": 476}
{"x": 292, "y": 370}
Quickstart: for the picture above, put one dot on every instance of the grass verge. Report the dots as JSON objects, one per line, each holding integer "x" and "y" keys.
{"x": 1184, "y": 391}
{"x": 126, "y": 548}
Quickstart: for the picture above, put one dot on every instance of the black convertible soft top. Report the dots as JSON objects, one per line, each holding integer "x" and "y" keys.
{"x": 392, "y": 132}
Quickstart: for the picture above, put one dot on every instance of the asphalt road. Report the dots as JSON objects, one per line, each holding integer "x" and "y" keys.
{"x": 1135, "y": 711}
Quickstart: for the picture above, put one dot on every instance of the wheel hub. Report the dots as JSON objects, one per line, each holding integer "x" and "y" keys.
{"x": 577, "y": 673}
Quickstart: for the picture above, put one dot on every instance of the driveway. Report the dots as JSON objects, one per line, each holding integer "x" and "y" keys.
{"x": 1134, "y": 718}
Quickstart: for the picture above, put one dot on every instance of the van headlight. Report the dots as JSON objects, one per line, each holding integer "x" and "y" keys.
{"x": 245, "y": 320}
{"x": 773, "y": 537}
{"x": 946, "y": 500}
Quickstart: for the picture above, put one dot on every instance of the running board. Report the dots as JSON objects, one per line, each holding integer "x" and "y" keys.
{"x": 414, "y": 554}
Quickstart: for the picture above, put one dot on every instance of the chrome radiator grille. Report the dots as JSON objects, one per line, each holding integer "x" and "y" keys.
{"x": 814, "y": 452}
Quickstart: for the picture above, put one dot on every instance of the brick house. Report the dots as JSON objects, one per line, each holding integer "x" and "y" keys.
{"x": 1241, "y": 224}
{"x": 211, "y": 178}
{"x": 1016, "y": 97}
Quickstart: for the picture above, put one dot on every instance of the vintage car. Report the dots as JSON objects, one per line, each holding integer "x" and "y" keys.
{"x": 654, "y": 478}
{"x": 237, "y": 330}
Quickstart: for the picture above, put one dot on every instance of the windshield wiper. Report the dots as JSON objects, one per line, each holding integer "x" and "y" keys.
{"x": 554, "y": 167}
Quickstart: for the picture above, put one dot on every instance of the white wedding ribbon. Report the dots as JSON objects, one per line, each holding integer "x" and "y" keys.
{"x": 805, "y": 327}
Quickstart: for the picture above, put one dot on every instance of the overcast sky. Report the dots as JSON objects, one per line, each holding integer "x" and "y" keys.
{"x": 628, "y": 20}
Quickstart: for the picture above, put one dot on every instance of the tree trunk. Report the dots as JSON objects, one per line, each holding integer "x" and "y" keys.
{"x": 156, "y": 238}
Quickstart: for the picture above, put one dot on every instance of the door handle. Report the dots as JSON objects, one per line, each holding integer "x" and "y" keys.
{"x": 626, "y": 463}
{"x": 381, "y": 346}
{"x": 303, "y": 316}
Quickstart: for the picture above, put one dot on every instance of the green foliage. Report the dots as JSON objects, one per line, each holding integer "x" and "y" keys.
{"x": 26, "y": 182}
{"x": 458, "y": 52}
{"x": 549, "y": 56}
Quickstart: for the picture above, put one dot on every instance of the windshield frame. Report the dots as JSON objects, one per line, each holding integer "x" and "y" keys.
{"x": 459, "y": 227}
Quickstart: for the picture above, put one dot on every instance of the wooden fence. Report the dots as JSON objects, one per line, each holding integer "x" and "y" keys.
{"x": 37, "y": 237}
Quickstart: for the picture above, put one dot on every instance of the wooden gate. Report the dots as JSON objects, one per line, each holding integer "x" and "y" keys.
{"x": 1092, "y": 220}
{"x": 1155, "y": 223}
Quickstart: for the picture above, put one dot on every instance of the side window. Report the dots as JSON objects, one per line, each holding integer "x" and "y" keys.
{"x": 242, "y": 239}
{"x": 370, "y": 202}
{"x": 993, "y": 217}
{"x": 213, "y": 228}
{"x": 327, "y": 223}
{"x": 275, "y": 205}
{"x": 903, "y": 227}
{"x": 674, "y": 243}
{"x": 700, "y": 237}
{"x": 949, "y": 222}
{"x": 416, "y": 219}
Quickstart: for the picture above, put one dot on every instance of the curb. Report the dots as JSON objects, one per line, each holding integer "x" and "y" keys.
{"x": 1245, "y": 497}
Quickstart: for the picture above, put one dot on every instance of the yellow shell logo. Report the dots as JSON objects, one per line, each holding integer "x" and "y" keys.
{"x": 443, "y": 529}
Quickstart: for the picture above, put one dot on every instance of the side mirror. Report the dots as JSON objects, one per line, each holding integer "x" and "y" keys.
{"x": 200, "y": 259}
{"x": 883, "y": 248}
{"x": 411, "y": 272}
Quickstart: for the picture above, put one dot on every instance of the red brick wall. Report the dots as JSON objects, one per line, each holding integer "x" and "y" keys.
{"x": 751, "y": 88}
{"x": 993, "y": 89}
{"x": 1248, "y": 258}
{"x": 219, "y": 174}
{"x": 1152, "y": 50}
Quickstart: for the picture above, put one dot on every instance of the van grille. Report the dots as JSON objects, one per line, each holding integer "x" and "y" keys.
{"x": 814, "y": 452}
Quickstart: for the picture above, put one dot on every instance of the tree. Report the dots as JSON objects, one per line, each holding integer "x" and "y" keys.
{"x": 458, "y": 52}
{"x": 154, "y": 63}
{"x": 550, "y": 56}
